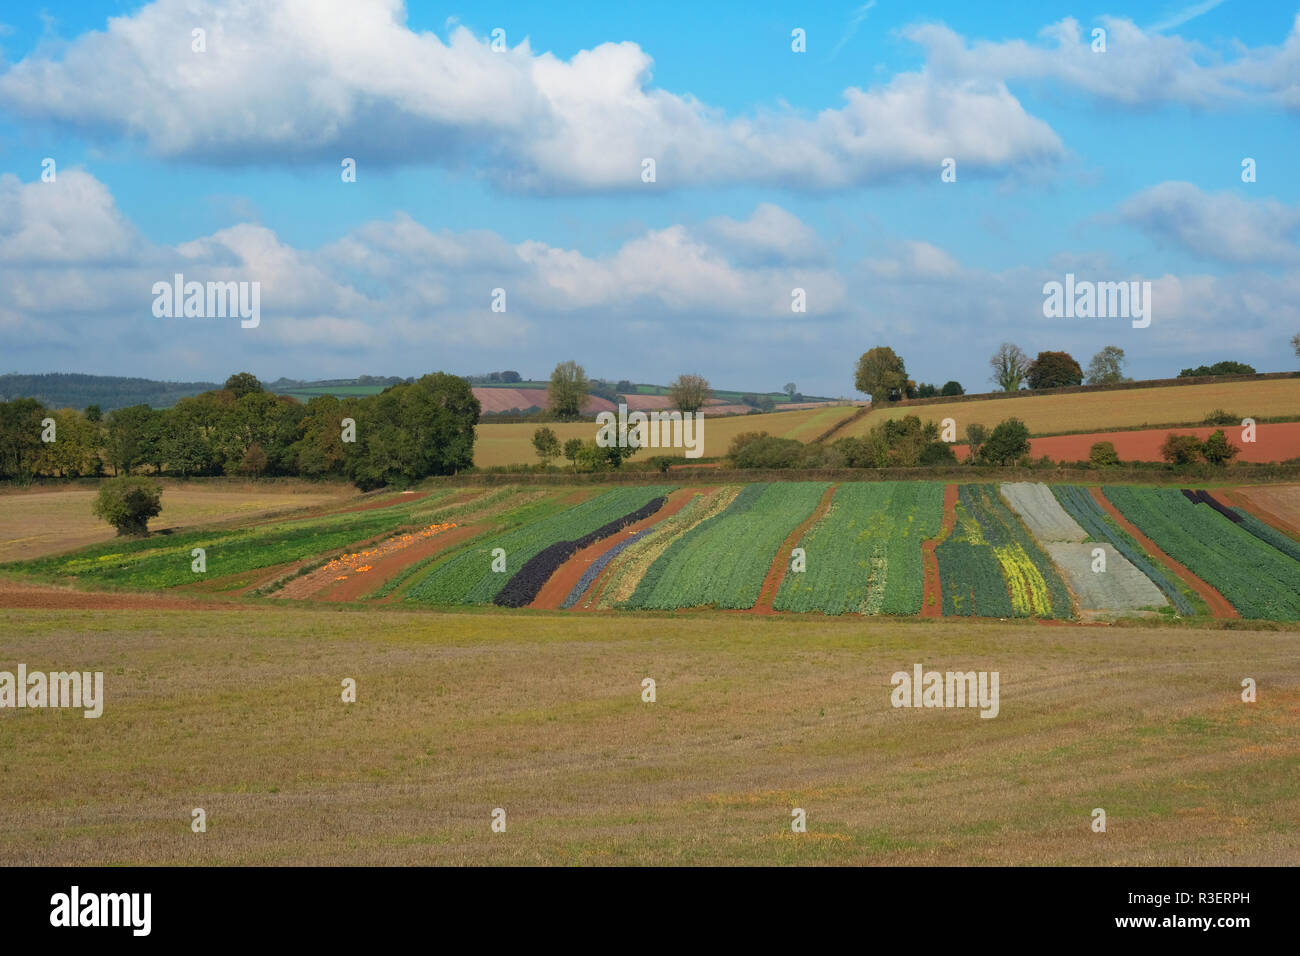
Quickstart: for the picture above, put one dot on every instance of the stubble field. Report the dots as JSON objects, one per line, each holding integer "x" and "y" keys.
{"x": 542, "y": 715}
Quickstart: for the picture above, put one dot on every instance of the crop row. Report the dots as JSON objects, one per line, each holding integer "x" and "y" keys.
{"x": 468, "y": 576}
{"x": 1257, "y": 579}
{"x": 629, "y": 566}
{"x": 989, "y": 537}
{"x": 598, "y": 565}
{"x": 1265, "y": 532}
{"x": 724, "y": 560}
{"x": 1083, "y": 508}
{"x": 864, "y": 555}
{"x": 537, "y": 570}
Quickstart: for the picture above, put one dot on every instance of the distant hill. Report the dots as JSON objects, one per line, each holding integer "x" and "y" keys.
{"x": 73, "y": 390}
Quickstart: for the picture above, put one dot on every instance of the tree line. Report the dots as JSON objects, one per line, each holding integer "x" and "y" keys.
{"x": 405, "y": 433}
{"x": 882, "y": 374}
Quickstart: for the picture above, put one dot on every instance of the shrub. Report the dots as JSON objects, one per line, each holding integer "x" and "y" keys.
{"x": 1103, "y": 455}
{"x": 1218, "y": 450}
{"x": 1221, "y": 417}
{"x": 128, "y": 502}
{"x": 1181, "y": 449}
{"x": 1007, "y": 443}
{"x": 938, "y": 453}
{"x": 741, "y": 440}
{"x": 769, "y": 452}
{"x": 1218, "y": 368}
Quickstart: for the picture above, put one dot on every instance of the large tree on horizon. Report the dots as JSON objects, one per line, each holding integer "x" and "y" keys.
{"x": 567, "y": 392}
{"x": 689, "y": 392}
{"x": 1010, "y": 366}
{"x": 879, "y": 370}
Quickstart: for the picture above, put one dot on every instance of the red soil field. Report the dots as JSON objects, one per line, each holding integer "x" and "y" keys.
{"x": 1278, "y": 505}
{"x": 504, "y": 399}
{"x": 1276, "y": 442}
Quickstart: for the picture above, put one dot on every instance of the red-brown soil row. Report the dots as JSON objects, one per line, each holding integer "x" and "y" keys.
{"x": 932, "y": 597}
{"x": 359, "y": 584}
{"x": 1219, "y": 606}
{"x": 781, "y": 563}
{"x": 567, "y": 576}
{"x": 1276, "y": 442}
{"x": 48, "y": 598}
{"x": 1248, "y": 499}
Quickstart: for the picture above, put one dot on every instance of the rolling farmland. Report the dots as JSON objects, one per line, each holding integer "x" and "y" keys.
{"x": 864, "y": 556}
{"x": 470, "y": 578}
{"x": 1260, "y": 580}
{"x": 512, "y": 444}
{"x": 1100, "y": 411}
{"x": 723, "y": 560}
{"x": 1016, "y": 550}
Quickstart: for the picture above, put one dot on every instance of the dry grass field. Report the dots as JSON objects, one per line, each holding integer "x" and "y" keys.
{"x": 541, "y": 715}
{"x": 49, "y": 519}
{"x": 1100, "y": 411}
{"x": 512, "y": 444}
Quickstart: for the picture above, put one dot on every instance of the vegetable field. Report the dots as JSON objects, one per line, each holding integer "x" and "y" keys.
{"x": 864, "y": 556}
{"x": 723, "y": 560}
{"x": 469, "y": 578}
{"x": 1115, "y": 585}
{"x": 1259, "y": 579}
{"x": 1019, "y": 549}
{"x": 990, "y": 565}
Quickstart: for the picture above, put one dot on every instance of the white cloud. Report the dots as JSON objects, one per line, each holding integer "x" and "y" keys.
{"x": 70, "y": 220}
{"x": 1139, "y": 67}
{"x": 1220, "y": 226}
{"x": 392, "y": 289}
{"x": 290, "y": 80}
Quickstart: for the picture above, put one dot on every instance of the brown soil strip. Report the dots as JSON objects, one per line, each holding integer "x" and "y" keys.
{"x": 46, "y": 598}
{"x": 1219, "y": 606}
{"x": 1238, "y": 498}
{"x": 781, "y": 563}
{"x": 402, "y": 498}
{"x": 567, "y": 575}
{"x": 358, "y": 585}
{"x": 932, "y": 597}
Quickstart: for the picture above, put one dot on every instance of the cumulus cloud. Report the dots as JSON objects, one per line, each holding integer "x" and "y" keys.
{"x": 295, "y": 81}
{"x": 1222, "y": 226}
{"x": 389, "y": 289}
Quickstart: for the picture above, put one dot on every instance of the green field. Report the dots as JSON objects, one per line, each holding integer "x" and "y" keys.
{"x": 866, "y": 551}
{"x": 468, "y": 578}
{"x": 1258, "y": 578}
{"x": 723, "y": 560}
{"x": 459, "y": 714}
{"x": 991, "y": 566}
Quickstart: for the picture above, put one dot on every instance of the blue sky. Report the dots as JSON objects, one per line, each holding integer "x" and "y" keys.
{"x": 520, "y": 170}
